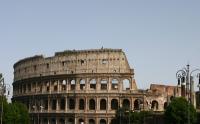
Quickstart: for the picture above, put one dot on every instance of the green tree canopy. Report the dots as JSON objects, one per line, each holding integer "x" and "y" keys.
{"x": 180, "y": 111}
{"x": 15, "y": 113}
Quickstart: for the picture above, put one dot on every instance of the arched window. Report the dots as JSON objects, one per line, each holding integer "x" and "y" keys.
{"x": 55, "y": 86}
{"x": 71, "y": 104}
{"x": 53, "y": 121}
{"x": 93, "y": 84}
{"x": 71, "y": 121}
{"x": 53, "y": 104}
{"x": 81, "y": 104}
{"x": 92, "y": 104}
{"x": 45, "y": 121}
{"x": 104, "y": 84}
{"x": 114, "y": 104}
{"x": 165, "y": 105}
{"x": 114, "y": 84}
{"x": 126, "y": 84}
{"x": 62, "y": 104}
{"x": 137, "y": 103}
{"x": 64, "y": 85}
{"x": 62, "y": 121}
{"x": 82, "y": 84}
{"x": 103, "y": 104}
{"x": 81, "y": 121}
{"x": 73, "y": 83}
{"x": 91, "y": 121}
{"x": 154, "y": 105}
{"x": 114, "y": 121}
{"x": 102, "y": 121}
{"x": 126, "y": 104}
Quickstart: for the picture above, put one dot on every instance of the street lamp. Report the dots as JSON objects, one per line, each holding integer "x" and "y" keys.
{"x": 186, "y": 82}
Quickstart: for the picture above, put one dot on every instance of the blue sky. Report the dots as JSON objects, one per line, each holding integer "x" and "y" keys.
{"x": 158, "y": 36}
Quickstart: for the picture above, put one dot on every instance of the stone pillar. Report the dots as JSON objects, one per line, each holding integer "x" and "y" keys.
{"x": 66, "y": 104}
{"x": 86, "y": 104}
{"x": 57, "y": 104}
{"x": 97, "y": 105}
{"x": 49, "y": 104}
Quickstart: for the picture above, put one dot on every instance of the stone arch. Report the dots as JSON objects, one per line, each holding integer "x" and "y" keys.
{"x": 102, "y": 121}
{"x": 61, "y": 121}
{"x": 91, "y": 121}
{"x": 104, "y": 83}
{"x": 154, "y": 105}
{"x": 115, "y": 83}
{"x": 62, "y": 103}
{"x": 114, "y": 104}
{"x": 103, "y": 104}
{"x": 92, "y": 104}
{"x": 45, "y": 121}
{"x": 165, "y": 105}
{"x": 137, "y": 104}
{"x": 81, "y": 121}
{"x": 126, "y": 84}
{"x": 71, "y": 121}
{"x": 81, "y": 104}
{"x": 71, "y": 103}
{"x": 82, "y": 84}
{"x": 126, "y": 104}
{"x": 93, "y": 84}
{"x": 53, "y": 121}
{"x": 64, "y": 85}
{"x": 113, "y": 121}
{"x": 72, "y": 84}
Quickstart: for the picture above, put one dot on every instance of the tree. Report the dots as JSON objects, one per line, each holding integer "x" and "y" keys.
{"x": 15, "y": 113}
{"x": 124, "y": 116}
{"x": 180, "y": 111}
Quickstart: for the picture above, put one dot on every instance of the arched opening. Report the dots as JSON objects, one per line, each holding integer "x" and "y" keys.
{"x": 81, "y": 121}
{"x": 71, "y": 104}
{"x": 71, "y": 121}
{"x": 55, "y": 86}
{"x": 154, "y": 105}
{"x": 114, "y": 84}
{"x": 53, "y": 104}
{"x": 165, "y": 105}
{"x": 73, "y": 84}
{"x": 137, "y": 104}
{"x": 114, "y": 104}
{"x": 82, "y": 84}
{"x": 53, "y": 121}
{"x": 45, "y": 121}
{"x": 62, "y": 104}
{"x": 114, "y": 121}
{"x": 126, "y": 84}
{"x": 62, "y": 121}
{"x": 91, "y": 121}
{"x": 103, "y": 104}
{"x": 81, "y": 104}
{"x": 92, "y": 104}
{"x": 102, "y": 121}
{"x": 126, "y": 104}
{"x": 104, "y": 84}
{"x": 93, "y": 84}
{"x": 64, "y": 85}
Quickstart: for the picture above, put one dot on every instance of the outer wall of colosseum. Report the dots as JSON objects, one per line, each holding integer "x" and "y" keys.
{"x": 80, "y": 87}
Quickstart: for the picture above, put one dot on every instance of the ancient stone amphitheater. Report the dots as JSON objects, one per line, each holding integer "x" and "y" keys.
{"x": 81, "y": 87}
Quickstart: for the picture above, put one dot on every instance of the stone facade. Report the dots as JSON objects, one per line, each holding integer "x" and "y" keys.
{"x": 82, "y": 87}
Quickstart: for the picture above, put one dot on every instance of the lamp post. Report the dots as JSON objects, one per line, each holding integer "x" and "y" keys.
{"x": 186, "y": 82}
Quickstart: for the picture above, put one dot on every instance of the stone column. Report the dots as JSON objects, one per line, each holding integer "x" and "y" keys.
{"x": 66, "y": 104}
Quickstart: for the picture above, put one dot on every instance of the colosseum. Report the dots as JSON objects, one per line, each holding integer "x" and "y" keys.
{"x": 83, "y": 87}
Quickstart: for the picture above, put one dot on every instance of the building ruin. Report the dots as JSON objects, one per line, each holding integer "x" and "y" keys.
{"x": 83, "y": 87}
